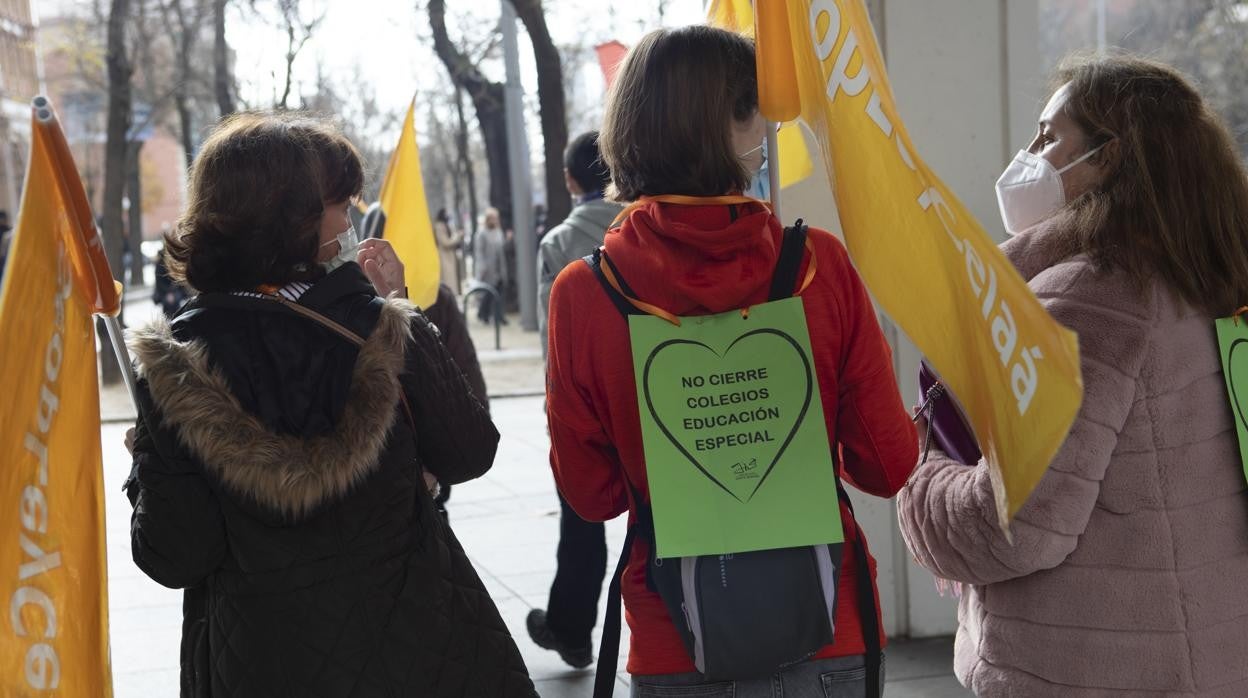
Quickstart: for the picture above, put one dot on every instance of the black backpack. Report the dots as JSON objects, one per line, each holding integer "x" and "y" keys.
{"x": 729, "y": 628}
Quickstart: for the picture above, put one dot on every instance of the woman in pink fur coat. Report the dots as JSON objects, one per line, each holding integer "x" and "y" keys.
{"x": 1128, "y": 572}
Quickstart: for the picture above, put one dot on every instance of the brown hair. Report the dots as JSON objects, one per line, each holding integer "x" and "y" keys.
{"x": 667, "y": 128}
{"x": 1174, "y": 200}
{"x": 257, "y": 194}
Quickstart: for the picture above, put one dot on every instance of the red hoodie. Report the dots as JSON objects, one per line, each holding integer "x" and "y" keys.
{"x": 697, "y": 260}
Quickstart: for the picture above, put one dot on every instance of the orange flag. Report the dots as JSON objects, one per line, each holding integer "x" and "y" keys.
{"x": 53, "y": 584}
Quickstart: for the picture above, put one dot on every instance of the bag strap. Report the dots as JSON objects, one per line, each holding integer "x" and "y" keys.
{"x": 868, "y": 617}
{"x": 208, "y": 300}
{"x": 609, "y": 645}
{"x": 789, "y": 262}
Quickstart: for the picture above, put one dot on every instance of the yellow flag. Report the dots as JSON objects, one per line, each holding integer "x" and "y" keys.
{"x": 795, "y": 162}
{"x": 927, "y": 261}
{"x": 53, "y": 585}
{"x": 733, "y": 15}
{"x": 408, "y": 226}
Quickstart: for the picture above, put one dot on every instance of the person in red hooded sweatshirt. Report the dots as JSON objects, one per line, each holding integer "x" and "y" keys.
{"x": 682, "y": 136}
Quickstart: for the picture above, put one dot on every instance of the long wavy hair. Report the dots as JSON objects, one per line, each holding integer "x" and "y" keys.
{"x": 1174, "y": 201}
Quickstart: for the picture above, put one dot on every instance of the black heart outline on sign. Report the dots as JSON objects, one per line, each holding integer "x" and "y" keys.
{"x": 797, "y": 423}
{"x": 1230, "y": 380}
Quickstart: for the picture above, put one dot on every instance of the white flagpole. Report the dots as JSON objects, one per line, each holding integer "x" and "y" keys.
{"x": 773, "y": 167}
{"x": 123, "y": 357}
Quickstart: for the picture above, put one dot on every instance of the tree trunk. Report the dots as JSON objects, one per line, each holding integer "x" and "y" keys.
{"x": 223, "y": 79}
{"x": 290, "y": 62}
{"x": 465, "y": 159}
{"x": 553, "y": 106}
{"x": 487, "y": 100}
{"x": 492, "y": 117}
{"x": 134, "y": 189}
{"x": 182, "y": 95}
{"x": 185, "y": 123}
{"x": 119, "y": 73}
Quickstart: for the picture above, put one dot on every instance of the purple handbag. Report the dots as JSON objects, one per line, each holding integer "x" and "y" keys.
{"x": 949, "y": 427}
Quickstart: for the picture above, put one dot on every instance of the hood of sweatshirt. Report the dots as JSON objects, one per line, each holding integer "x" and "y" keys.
{"x": 695, "y": 260}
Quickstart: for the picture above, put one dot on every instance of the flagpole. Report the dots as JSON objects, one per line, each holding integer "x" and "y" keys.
{"x": 116, "y": 334}
{"x": 773, "y": 167}
{"x": 44, "y": 115}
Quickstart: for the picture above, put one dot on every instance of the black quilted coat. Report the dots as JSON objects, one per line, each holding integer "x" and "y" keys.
{"x": 277, "y": 479}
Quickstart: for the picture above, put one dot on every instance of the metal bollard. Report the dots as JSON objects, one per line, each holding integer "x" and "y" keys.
{"x": 479, "y": 287}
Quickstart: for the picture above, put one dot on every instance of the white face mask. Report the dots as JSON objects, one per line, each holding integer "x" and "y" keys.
{"x": 760, "y": 180}
{"x": 348, "y": 246}
{"x": 1030, "y": 190}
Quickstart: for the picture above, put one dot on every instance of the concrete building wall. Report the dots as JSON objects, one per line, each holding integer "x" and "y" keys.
{"x": 163, "y": 170}
{"x": 966, "y": 76}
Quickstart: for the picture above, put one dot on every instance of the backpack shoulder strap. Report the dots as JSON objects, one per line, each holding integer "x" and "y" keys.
{"x": 595, "y": 262}
{"x": 783, "y": 279}
{"x": 789, "y": 262}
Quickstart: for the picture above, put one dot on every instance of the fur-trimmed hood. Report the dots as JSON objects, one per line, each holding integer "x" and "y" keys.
{"x": 281, "y": 472}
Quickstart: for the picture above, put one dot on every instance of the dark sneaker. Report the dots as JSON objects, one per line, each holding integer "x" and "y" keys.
{"x": 577, "y": 657}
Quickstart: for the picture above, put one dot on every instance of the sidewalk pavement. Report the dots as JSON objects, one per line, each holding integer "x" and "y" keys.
{"x": 508, "y": 522}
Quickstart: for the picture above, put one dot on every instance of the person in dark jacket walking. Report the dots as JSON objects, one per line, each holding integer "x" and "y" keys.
{"x": 168, "y": 295}
{"x": 291, "y": 424}
{"x": 453, "y": 328}
{"x": 572, "y": 608}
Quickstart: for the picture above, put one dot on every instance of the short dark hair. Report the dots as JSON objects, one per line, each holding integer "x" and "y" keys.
{"x": 668, "y": 123}
{"x": 257, "y": 193}
{"x": 584, "y": 163}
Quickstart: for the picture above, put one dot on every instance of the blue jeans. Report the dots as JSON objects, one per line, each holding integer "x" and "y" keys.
{"x": 839, "y": 677}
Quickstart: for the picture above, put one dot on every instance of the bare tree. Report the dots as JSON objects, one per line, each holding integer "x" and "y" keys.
{"x": 119, "y": 74}
{"x": 487, "y": 100}
{"x": 183, "y": 22}
{"x": 134, "y": 194}
{"x": 352, "y": 102}
{"x": 298, "y": 31}
{"x": 553, "y": 107}
{"x": 465, "y": 168}
{"x": 223, "y": 78}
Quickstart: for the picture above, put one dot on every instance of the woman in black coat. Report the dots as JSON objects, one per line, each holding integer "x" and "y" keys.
{"x": 292, "y": 425}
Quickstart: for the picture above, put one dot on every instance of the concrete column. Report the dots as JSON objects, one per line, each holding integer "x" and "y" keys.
{"x": 521, "y": 191}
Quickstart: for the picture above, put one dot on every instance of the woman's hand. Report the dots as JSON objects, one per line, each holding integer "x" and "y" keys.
{"x": 130, "y": 441}
{"x": 382, "y": 266}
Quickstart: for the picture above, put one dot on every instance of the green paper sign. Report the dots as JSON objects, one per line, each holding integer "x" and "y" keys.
{"x": 1233, "y": 340}
{"x": 737, "y": 452}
